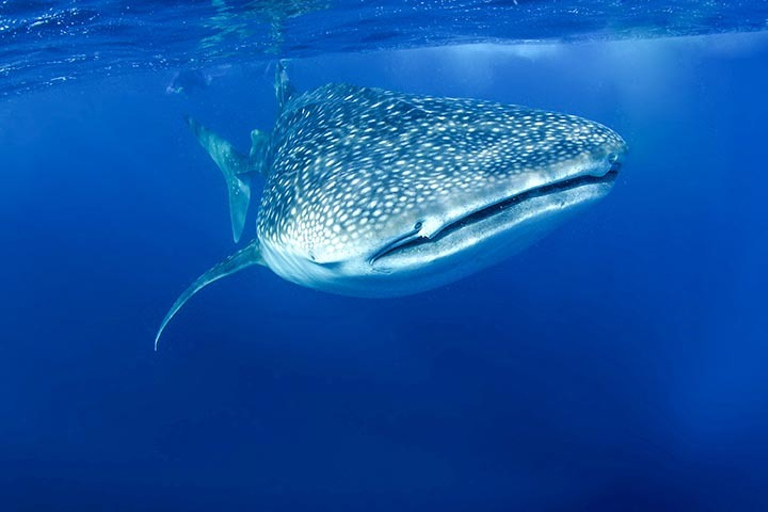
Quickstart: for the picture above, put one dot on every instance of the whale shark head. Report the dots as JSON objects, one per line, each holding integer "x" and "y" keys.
{"x": 376, "y": 193}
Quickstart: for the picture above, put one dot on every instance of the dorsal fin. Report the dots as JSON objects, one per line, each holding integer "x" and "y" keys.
{"x": 283, "y": 87}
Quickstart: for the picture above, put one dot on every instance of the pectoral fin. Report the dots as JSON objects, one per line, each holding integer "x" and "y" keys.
{"x": 247, "y": 256}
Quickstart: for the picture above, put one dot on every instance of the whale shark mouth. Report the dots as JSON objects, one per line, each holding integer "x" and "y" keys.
{"x": 411, "y": 240}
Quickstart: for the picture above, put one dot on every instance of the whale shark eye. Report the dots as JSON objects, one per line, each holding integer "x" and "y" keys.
{"x": 417, "y": 226}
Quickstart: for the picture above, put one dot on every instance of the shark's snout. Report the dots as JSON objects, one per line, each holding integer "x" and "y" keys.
{"x": 533, "y": 202}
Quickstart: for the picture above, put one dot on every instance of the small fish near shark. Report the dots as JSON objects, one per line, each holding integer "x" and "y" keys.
{"x": 374, "y": 193}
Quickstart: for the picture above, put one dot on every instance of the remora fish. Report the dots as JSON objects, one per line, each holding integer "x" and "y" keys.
{"x": 375, "y": 193}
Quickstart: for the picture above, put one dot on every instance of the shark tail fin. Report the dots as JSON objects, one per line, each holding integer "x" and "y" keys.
{"x": 237, "y": 169}
{"x": 247, "y": 256}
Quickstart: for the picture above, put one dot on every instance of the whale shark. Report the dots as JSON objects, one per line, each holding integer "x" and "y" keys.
{"x": 374, "y": 193}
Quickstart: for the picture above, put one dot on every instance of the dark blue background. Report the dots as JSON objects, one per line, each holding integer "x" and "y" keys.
{"x": 620, "y": 364}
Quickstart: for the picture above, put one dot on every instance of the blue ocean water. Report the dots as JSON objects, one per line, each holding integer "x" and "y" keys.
{"x": 619, "y": 364}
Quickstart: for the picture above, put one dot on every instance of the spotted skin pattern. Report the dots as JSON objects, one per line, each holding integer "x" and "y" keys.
{"x": 351, "y": 164}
